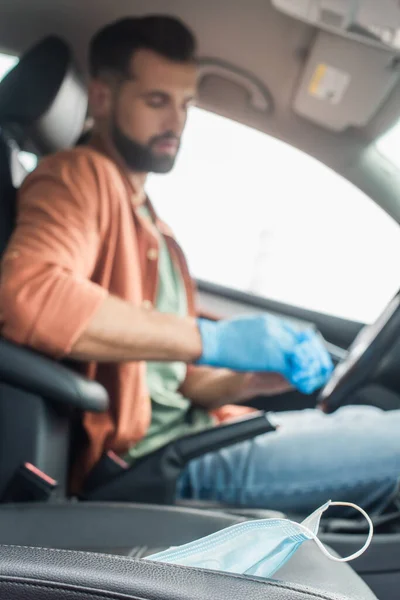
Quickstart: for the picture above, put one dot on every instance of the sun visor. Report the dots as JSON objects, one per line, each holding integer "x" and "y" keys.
{"x": 344, "y": 82}
{"x": 232, "y": 92}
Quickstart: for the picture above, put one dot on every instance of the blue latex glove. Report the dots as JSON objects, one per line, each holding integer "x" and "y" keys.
{"x": 310, "y": 364}
{"x": 267, "y": 343}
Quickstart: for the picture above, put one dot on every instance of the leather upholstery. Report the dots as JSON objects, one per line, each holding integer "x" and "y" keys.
{"x": 40, "y": 574}
{"x": 28, "y": 370}
{"x": 54, "y": 115}
{"x": 43, "y": 105}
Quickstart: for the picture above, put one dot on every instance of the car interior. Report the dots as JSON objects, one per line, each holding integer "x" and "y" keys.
{"x": 302, "y": 72}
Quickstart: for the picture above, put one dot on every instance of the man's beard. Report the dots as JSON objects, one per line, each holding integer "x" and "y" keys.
{"x": 139, "y": 157}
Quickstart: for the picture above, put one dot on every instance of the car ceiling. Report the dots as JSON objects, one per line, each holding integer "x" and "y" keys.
{"x": 254, "y": 38}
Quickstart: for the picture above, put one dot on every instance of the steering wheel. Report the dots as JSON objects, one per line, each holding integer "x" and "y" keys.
{"x": 365, "y": 355}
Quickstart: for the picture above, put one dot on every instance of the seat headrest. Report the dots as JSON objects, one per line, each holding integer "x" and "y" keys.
{"x": 43, "y": 100}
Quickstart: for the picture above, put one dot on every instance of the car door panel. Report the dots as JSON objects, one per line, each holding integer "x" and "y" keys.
{"x": 225, "y": 302}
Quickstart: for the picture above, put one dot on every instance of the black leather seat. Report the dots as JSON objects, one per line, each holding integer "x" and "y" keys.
{"x": 38, "y": 401}
{"x": 36, "y": 573}
{"x": 42, "y": 107}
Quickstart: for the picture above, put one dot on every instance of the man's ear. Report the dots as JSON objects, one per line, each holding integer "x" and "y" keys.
{"x": 100, "y": 99}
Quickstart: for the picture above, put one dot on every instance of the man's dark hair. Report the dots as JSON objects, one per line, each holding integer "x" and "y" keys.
{"x": 112, "y": 47}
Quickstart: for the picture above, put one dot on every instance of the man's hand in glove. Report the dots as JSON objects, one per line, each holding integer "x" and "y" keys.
{"x": 265, "y": 343}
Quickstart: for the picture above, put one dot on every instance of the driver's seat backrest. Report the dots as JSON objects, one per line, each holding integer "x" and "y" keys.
{"x": 43, "y": 105}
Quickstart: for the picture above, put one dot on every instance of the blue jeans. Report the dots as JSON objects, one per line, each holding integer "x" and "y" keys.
{"x": 352, "y": 455}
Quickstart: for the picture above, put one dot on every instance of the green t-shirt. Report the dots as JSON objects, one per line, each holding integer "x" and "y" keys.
{"x": 172, "y": 415}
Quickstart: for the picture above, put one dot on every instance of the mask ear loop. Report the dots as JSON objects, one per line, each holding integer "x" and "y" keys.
{"x": 352, "y": 556}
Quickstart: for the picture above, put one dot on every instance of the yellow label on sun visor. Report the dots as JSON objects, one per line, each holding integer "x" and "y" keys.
{"x": 329, "y": 83}
{"x": 316, "y": 79}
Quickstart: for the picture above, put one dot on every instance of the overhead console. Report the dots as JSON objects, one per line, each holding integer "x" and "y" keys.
{"x": 354, "y": 62}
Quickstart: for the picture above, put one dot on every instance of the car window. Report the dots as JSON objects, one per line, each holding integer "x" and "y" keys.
{"x": 254, "y": 214}
{"x": 389, "y": 145}
{"x": 7, "y": 62}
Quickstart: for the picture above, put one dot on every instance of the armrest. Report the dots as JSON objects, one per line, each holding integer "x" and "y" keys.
{"x": 37, "y": 374}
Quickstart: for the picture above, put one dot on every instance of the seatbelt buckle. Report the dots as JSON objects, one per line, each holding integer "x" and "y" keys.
{"x": 29, "y": 484}
{"x": 109, "y": 466}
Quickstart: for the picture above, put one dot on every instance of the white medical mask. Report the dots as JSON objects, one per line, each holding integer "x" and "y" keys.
{"x": 256, "y": 548}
